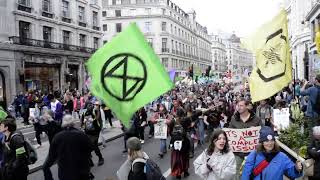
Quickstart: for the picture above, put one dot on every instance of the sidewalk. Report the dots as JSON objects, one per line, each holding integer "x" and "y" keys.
{"x": 109, "y": 134}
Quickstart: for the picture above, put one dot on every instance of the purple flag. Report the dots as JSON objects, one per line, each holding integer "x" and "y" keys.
{"x": 172, "y": 74}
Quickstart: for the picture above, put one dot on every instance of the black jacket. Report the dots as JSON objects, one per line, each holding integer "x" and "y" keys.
{"x": 15, "y": 157}
{"x": 314, "y": 153}
{"x": 137, "y": 172}
{"x": 97, "y": 123}
{"x": 71, "y": 148}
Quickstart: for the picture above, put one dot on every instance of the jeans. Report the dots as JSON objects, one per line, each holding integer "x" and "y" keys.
{"x": 163, "y": 146}
{"x": 201, "y": 131}
{"x": 151, "y": 126}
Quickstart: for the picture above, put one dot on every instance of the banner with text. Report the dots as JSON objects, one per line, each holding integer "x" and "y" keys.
{"x": 243, "y": 140}
{"x": 160, "y": 129}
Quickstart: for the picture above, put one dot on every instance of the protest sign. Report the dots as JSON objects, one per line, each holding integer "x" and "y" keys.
{"x": 160, "y": 129}
{"x": 32, "y": 112}
{"x": 243, "y": 140}
{"x": 281, "y": 118}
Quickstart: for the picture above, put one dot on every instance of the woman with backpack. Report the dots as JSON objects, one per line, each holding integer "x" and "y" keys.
{"x": 180, "y": 146}
{"x": 268, "y": 162}
{"x": 131, "y": 169}
{"x": 217, "y": 162}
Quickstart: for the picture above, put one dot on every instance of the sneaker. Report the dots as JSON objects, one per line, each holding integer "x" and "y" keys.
{"x": 178, "y": 177}
{"x": 150, "y": 136}
{"x": 186, "y": 174}
{"x": 142, "y": 141}
{"x": 125, "y": 151}
{"x": 35, "y": 139}
{"x": 38, "y": 146}
{"x": 160, "y": 155}
{"x": 100, "y": 162}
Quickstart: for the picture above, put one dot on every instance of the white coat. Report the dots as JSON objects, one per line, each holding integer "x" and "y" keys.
{"x": 223, "y": 166}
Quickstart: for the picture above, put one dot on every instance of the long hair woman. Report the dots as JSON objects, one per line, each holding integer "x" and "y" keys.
{"x": 217, "y": 162}
{"x": 267, "y": 162}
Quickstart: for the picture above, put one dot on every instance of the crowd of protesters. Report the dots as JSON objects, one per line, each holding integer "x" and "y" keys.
{"x": 194, "y": 115}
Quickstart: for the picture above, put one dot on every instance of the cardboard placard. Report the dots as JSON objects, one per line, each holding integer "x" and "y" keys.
{"x": 243, "y": 140}
{"x": 161, "y": 129}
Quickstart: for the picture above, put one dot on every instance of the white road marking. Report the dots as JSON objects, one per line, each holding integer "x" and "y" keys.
{"x": 167, "y": 173}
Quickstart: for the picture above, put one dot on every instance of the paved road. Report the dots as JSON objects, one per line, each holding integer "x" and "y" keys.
{"x": 114, "y": 158}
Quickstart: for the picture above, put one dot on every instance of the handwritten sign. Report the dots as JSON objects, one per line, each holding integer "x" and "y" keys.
{"x": 281, "y": 118}
{"x": 160, "y": 129}
{"x": 243, "y": 140}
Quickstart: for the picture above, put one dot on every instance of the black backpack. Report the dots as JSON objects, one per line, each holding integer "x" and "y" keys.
{"x": 316, "y": 106}
{"x": 31, "y": 153}
{"x": 152, "y": 170}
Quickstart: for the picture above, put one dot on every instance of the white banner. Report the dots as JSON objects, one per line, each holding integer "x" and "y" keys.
{"x": 243, "y": 140}
{"x": 281, "y": 118}
{"x": 160, "y": 129}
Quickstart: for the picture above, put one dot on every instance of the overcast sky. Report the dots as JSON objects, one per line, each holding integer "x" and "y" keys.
{"x": 241, "y": 16}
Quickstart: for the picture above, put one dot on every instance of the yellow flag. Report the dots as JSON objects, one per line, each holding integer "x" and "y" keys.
{"x": 317, "y": 39}
{"x": 273, "y": 69}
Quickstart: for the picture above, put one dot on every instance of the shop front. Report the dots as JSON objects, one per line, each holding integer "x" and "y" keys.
{"x": 42, "y": 77}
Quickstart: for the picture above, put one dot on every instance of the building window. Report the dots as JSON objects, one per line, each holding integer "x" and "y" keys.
{"x": 125, "y": 1}
{"x": 148, "y": 11}
{"x": 65, "y": 8}
{"x": 140, "y": 1}
{"x": 132, "y": 12}
{"x": 118, "y": 13}
{"x": 82, "y": 40}
{"x": 164, "y": 45}
{"x": 24, "y": 30}
{"x": 94, "y": 18}
{"x": 24, "y": 3}
{"x": 114, "y": 2}
{"x": 165, "y": 62}
{"x": 118, "y": 27}
{"x": 46, "y": 6}
{"x": 150, "y": 41}
{"x": 47, "y": 33}
{"x": 81, "y": 14}
{"x": 104, "y": 13}
{"x": 66, "y": 37}
{"x": 147, "y": 26}
{"x": 163, "y": 11}
{"x": 164, "y": 26}
{"x": 95, "y": 43}
{"x": 172, "y": 45}
{"x": 105, "y": 27}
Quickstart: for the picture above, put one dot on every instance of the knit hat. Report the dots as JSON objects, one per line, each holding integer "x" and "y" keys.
{"x": 134, "y": 144}
{"x": 266, "y": 134}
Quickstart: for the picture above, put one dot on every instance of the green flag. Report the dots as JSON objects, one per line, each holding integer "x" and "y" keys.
{"x": 126, "y": 73}
{"x": 3, "y": 114}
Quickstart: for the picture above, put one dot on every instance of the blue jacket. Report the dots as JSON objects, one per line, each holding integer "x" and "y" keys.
{"x": 312, "y": 92}
{"x": 281, "y": 164}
